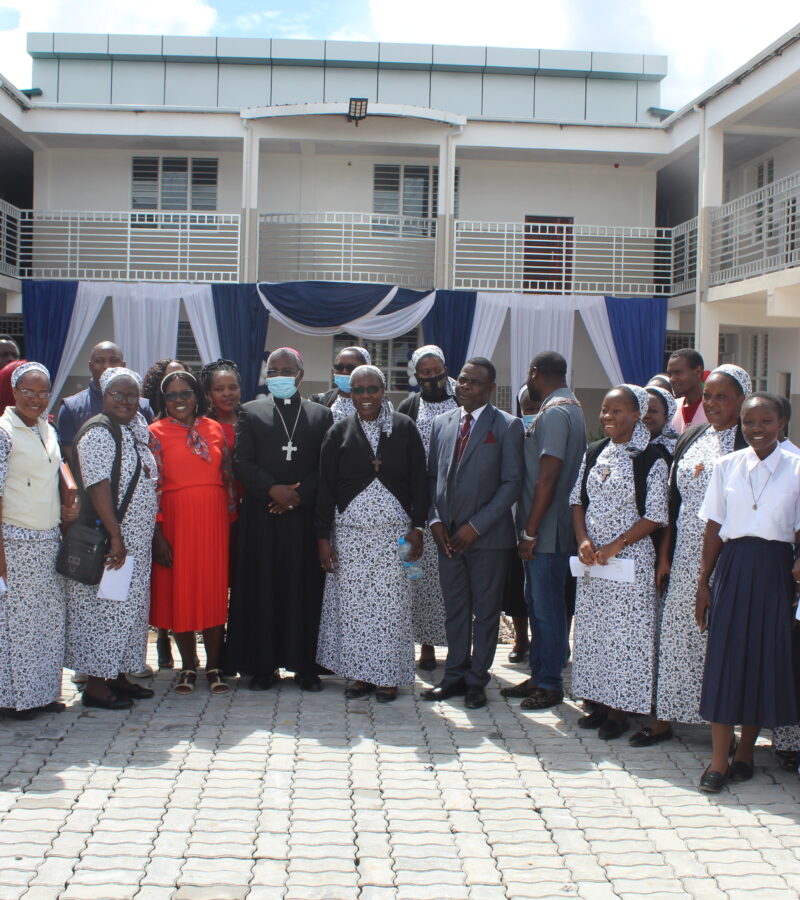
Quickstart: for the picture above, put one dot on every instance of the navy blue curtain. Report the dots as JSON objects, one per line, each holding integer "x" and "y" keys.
{"x": 639, "y": 329}
{"x": 324, "y": 304}
{"x": 242, "y": 321}
{"x": 47, "y": 311}
{"x": 403, "y": 298}
{"x": 449, "y": 326}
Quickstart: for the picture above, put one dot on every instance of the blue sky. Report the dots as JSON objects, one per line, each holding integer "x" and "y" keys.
{"x": 704, "y": 39}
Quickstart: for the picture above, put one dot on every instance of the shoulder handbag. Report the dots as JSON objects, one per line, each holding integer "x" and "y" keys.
{"x": 84, "y": 546}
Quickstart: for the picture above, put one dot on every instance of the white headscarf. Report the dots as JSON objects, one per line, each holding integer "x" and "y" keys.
{"x": 641, "y": 436}
{"x": 118, "y": 372}
{"x": 427, "y": 350}
{"x": 385, "y": 416}
{"x": 361, "y": 351}
{"x": 737, "y": 373}
{"x": 25, "y": 368}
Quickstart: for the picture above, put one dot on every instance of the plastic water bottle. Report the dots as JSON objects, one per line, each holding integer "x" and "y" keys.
{"x": 413, "y": 570}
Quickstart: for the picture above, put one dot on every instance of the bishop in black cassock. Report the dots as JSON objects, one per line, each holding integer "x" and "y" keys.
{"x": 276, "y": 592}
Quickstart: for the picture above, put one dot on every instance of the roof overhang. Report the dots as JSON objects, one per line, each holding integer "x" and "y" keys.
{"x": 392, "y": 110}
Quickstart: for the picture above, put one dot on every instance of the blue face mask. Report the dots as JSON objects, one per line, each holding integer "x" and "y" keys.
{"x": 342, "y": 382}
{"x": 282, "y": 386}
{"x": 527, "y": 421}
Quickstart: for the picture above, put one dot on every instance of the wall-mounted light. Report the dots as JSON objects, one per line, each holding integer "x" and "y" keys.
{"x": 357, "y": 110}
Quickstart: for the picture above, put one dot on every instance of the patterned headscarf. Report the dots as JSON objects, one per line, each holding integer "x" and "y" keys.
{"x": 25, "y": 368}
{"x": 641, "y": 436}
{"x": 738, "y": 374}
{"x": 361, "y": 351}
{"x": 668, "y": 437}
{"x": 118, "y": 372}
{"x": 427, "y": 350}
{"x": 194, "y": 440}
{"x": 669, "y": 400}
{"x": 385, "y": 416}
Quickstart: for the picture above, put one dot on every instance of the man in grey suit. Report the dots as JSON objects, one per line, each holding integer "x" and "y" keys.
{"x": 475, "y": 469}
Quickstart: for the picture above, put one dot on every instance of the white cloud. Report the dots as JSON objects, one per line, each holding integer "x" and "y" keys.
{"x": 110, "y": 16}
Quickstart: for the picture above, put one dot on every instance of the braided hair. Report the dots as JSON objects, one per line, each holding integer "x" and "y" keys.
{"x": 207, "y": 374}
{"x": 153, "y": 377}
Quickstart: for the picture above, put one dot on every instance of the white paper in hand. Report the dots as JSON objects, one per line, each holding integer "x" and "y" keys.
{"x": 3, "y": 585}
{"x": 622, "y": 570}
{"x": 115, "y": 583}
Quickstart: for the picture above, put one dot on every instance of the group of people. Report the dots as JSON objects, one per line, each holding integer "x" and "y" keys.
{"x": 329, "y": 535}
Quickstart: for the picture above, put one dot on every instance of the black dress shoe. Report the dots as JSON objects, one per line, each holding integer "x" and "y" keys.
{"x": 386, "y": 694}
{"x": 112, "y": 702}
{"x": 135, "y": 691}
{"x": 789, "y": 759}
{"x": 542, "y": 699}
{"x": 310, "y": 683}
{"x": 712, "y": 782}
{"x": 357, "y": 690}
{"x": 518, "y": 656}
{"x": 444, "y": 691}
{"x": 55, "y": 706}
{"x": 593, "y": 720}
{"x": 164, "y": 651}
{"x": 21, "y": 715}
{"x": 475, "y": 698}
{"x": 646, "y": 737}
{"x": 611, "y": 729}
{"x": 428, "y": 664}
{"x": 263, "y": 682}
{"x": 525, "y": 688}
{"x": 740, "y": 771}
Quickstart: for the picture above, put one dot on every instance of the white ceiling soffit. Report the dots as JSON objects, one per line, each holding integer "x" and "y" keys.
{"x": 394, "y": 110}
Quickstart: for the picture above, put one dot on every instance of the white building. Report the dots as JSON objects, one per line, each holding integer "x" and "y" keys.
{"x": 151, "y": 158}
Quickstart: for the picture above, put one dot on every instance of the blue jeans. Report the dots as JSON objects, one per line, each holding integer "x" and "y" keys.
{"x": 545, "y": 581}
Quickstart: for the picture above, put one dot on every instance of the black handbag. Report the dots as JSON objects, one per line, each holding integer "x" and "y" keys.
{"x": 84, "y": 546}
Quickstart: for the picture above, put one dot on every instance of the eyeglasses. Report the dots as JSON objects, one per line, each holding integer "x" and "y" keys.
{"x": 344, "y": 368}
{"x": 283, "y": 373}
{"x": 369, "y": 389}
{"x": 29, "y": 394}
{"x": 119, "y": 397}
{"x": 173, "y": 396}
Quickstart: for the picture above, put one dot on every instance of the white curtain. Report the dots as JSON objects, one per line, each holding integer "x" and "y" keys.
{"x": 595, "y": 318}
{"x": 89, "y": 300}
{"x": 146, "y": 320}
{"x": 490, "y": 313}
{"x": 539, "y": 322}
{"x": 200, "y": 310}
{"x": 381, "y": 328}
{"x": 360, "y": 324}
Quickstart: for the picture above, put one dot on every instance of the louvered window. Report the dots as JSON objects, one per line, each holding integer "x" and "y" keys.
{"x": 408, "y": 190}
{"x": 174, "y": 182}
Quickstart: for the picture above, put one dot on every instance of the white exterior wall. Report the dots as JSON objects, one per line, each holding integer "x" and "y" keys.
{"x": 787, "y": 161}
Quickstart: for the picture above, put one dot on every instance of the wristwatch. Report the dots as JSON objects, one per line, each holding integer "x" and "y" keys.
{"x": 524, "y": 536}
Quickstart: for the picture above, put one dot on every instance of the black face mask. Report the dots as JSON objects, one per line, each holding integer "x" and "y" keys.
{"x": 434, "y": 390}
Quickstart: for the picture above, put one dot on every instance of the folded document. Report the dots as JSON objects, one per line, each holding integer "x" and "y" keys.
{"x": 622, "y": 570}
{"x": 115, "y": 583}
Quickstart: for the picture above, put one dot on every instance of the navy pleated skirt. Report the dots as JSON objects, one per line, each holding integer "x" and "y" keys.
{"x": 749, "y": 676}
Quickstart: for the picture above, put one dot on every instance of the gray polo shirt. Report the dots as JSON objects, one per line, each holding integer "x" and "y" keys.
{"x": 560, "y": 431}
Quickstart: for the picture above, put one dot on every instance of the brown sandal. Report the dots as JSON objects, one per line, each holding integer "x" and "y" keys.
{"x": 186, "y": 681}
{"x": 216, "y": 683}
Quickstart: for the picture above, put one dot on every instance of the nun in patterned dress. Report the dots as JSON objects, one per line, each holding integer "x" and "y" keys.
{"x": 373, "y": 490}
{"x": 436, "y": 396}
{"x": 613, "y": 655}
{"x": 33, "y": 613}
{"x": 338, "y": 398}
{"x": 661, "y": 409}
{"x": 681, "y": 645}
{"x": 106, "y": 638}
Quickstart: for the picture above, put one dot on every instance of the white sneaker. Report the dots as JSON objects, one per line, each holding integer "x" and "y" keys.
{"x": 79, "y": 678}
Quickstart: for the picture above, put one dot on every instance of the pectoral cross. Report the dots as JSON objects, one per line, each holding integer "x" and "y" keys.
{"x": 604, "y": 473}
{"x": 289, "y": 448}
{"x": 377, "y": 464}
{"x": 700, "y": 467}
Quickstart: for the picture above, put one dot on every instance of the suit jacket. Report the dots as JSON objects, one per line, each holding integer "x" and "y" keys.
{"x": 486, "y": 484}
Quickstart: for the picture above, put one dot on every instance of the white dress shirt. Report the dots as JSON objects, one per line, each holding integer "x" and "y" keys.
{"x": 790, "y": 447}
{"x": 741, "y": 481}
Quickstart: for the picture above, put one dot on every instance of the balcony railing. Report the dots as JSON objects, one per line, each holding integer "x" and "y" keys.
{"x": 563, "y": 258}
{"x": 128, "y": 246}
{"x": 9, "y": 239}
{"x": 684, "y": 257}
{"x": 757, "y": 233}
{"x": 342, "y": 246}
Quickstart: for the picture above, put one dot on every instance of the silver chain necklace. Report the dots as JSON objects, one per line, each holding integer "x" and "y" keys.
{"x": 289, "y": 447}
{"x": 760, "y": 493}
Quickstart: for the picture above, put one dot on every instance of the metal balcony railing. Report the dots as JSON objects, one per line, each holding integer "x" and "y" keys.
{"x": 756, "y": 233}
{"x": 128, "y": 246}
{"x": 684, "y": 257}
{"x": 344, "y": 246}
{"x": 563, "y": 258}
{"x": 9, "y": 239}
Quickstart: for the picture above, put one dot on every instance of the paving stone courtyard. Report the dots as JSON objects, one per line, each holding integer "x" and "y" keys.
{"x": 290, "y": 795}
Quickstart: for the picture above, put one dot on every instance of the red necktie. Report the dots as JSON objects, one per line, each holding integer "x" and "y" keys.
{"x": 463, "y": 437}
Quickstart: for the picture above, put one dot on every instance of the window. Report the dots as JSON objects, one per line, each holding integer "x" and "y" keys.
{"x": 406, "y": 190}
{"x": 759, "y": 361}
{"x": 765, "y": 175}
{"x": 13, "y": 324}
{"x": 187, "y": 351}
{"x": 391, "y": 357}
{"x": 174, "y": 182}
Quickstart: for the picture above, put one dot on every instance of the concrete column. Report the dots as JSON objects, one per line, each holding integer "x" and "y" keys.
{"x": 706, "y": 331}
{"x": 709, "y": 196}
{"x": 248, "y": 260}
{"x": 445, "y": 228}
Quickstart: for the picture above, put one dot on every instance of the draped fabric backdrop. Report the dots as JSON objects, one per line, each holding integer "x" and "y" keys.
{"x": 242, "y": 322}
{"x": 202, "y": 318}
{"x": 595, "y": 319}
{"x": 47, "y": 312}
{"x": 539, "y": 322}
{"x": 490, "y": 313}
{"x": 146, "y": 322}
{"x": 449, "y": 326}
{"x": 639, "y": 327}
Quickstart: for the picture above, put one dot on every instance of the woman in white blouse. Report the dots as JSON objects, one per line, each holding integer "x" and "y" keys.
{"x": 752, "y": 515}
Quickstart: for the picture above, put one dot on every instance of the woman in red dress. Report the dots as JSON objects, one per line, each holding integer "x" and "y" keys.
{"x": 190, "y": 549}
{"x": 222, "y": 383}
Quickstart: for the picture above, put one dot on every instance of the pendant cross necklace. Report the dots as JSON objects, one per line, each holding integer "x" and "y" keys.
{"x": 376, "y": 464}
{"x": 289, "y": 448}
